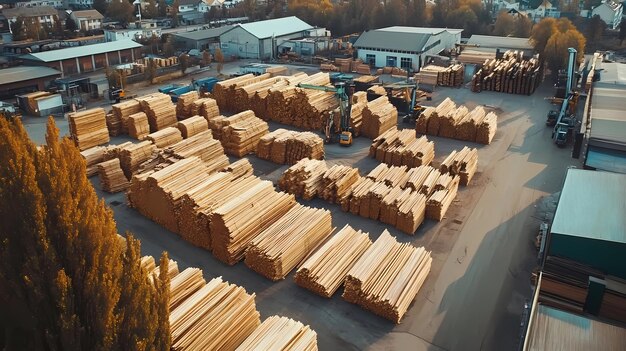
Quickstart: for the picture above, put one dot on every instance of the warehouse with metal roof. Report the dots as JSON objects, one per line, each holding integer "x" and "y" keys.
{"x": 404, "y": 47}
{"x": 87, "y": 58}
{"x": 260, "y": 40}
{"x": 204, "y": 39}
{"x": 17, "y": 80}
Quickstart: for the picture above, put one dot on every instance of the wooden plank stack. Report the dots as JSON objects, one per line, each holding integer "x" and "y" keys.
{"x": 138, "y": 126}
{"x": 205, "y": 107}
{"x": 88, "y": 128}
{"x": 487, "y": 129}
{"x": 184, "y": 104}
{"x": 337, "y": 181}
{"x": 235, "y": 225}
{"x": 467, "y": 126}
{"x": 112, "y": 178}
{"x": 387, "y": 277}
{"x": 379, "y": 116}
{"x": 202, "y": 146}
{"x": 280, "y": 333}
{"x": 241, "y": 138}
{"x": 125, "y": 109}
{"x": 304, "y": 179}
{"x": 288, "y": 147}
{"x": 402, "y": 147}
{"x": 185, "y": 284}
{"x": 92, "y": 157}
{"x": 511, "y": 74}
{"x": 160, "y": 110}
{"x": 325, "y": 270}
{"x": 224, "y": 91}
{"x": 132, "y": 156}
{"x": 463, "y": 164}
{"x": 441, "y": 199}
{"x": 114, "y": 124}
{"x": 284, "y": 244}
{"x": 475, "y": 57}
{"x": 358, "y": 103}
{"x": 451, "y": 76}
{"x": 165, "y": 137}
{"x": 192, "y": 126}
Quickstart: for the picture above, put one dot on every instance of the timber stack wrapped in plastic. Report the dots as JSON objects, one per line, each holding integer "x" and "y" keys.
{"x": 402, "y": 147}
{"x": 379, "y": 116}
{"x": 160, "y": 110}
{"x": 184, "y": 104}
{"x": 325, "y": 270}
{"x": 88, "y": 128}
{"x": 288, "y": 147}
{"x": 192, "y": 126}
{"x": 387, "y": 277}
{"x": 511, "y": 74}
{"x": 283, "y": 245}
{"x": 304, "y": 179}
{"x": 280, "y": 333}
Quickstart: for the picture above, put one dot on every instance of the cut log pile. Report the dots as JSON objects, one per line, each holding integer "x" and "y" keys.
{"x": 451, "y": 121}
{"x": 123, "y": 110}
{"x": 512, "y": 74}
{"x": 165, "y": 137}
{"x": 160, "y": 110}
{"x": 284, "y": 244}
{"x": 192, "y": 126}
{"x": 451, "y": 76}
{"x": 88, "y": 128}
{"x": 386, "y": 279}
{"x": 138, "y": 126}
{"x": 288, "y": 147}
{"x": 402, "y": 147}
{"x": 304, "y": 179}
{"x": 325, "y": 270}
{"x": 184, "y": 104}
{"x": 463, "y": 164}
{"x": 92, "y": 157}
{"x": 281, "y": 333}
{"x": 378, "y": 116}
{"x": 241, "y": 137}
{"x": 112, "y": 178}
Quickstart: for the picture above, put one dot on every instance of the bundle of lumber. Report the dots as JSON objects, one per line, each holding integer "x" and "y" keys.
{"x": 466, "y": 127}
{"x": 160, "y": 110}
{"x": 325, "y": 270}
{"x": 377, "y": 90}
{"x": 440, "y": 200}
{"x": 138, "y": 126}
{"x": 88, "y": 128}
{"x": 202, "y": 146}
{"x": 192, "y": 126}
{"x": 284, "y": 244}
{"x": 276, "y": 70}
{"x": 288, "y": 147}
{"x": 448, "y": 123}
{"x": 184, "y": 104}
{"x": 386, "y": 279}
{"x": 31, "y": 101}
{"x": 511, "y": 74}
{"x": 165, "y": 137}
{"x": 329, "y": 67}
{"x": 406, "y": 210}
{"x": 304, "y": 179}
{"x": 240, "y": 168}
{"x": 112, "y": 178}
{"x": 336, "y": 182}
{"x": 205, "y": 107}
{"x": 280, "y": 333}
{"x": 451, "y": 76}
{"x": 475, "y": 57}
{"x": 219, "y": 316}
{"x": 392, "y": 176}
{"x": 92, "y": 157}
{"x": 133, "y": 155}
{"x": 402, "y": 147}
{"x": 243, "y": 95}
{"x": 241, "y": 138}
{"x": 429, "y": 74}
{"x": 224, "y": 91}
{"x": 114, "y": 124}
{"x": 379, "y": 116}
{"x": 463, "y": 164}
{"x": 358, "y": 103}
{"x": 185, "y": 284}
{"x": 237, "y": 223}
{"x": 125, "y": 109}
{"x": 487, "y": 129}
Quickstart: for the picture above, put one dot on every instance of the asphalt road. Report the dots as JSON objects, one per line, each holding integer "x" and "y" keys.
{"x": 482, "y": 251}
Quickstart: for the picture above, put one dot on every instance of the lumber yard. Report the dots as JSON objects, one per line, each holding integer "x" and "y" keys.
{"x": 327, "y": 221}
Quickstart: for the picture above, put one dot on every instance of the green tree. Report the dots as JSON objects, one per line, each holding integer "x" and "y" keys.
{"x": 505, "y": 24}
{"x": 219, "y": 58}
{"x": 100, "y": 6}
{"x": 595, "y": 28}
{"x": 523, "y": 27}
{"x": 150, "y": 10}
{"x": 65, "y": 281}
{"x": 70, "y": 25}
{"x": 174, "y": 13}
{"x": 622, "y": 31}
{"x": 553, "y": 37}
{"x": 121, "y": 11}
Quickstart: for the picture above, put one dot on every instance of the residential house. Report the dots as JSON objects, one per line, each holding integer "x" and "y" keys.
{"x": 134, "y": 34}
{"x": 43, "y": 15}
{"x": 80, "y": 4}
{"x": 206, "y": 5}
{"x": 546, "y": 9}
{"x": 58, "y": 4}
{"x": 611, "y": 13}
{"x": 87, "y": 19}
{"x": 187, "y": 5}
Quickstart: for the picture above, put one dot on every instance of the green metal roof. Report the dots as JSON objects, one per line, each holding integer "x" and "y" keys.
{"x": 24, "y": 73}
{"x": 80, "y": 51}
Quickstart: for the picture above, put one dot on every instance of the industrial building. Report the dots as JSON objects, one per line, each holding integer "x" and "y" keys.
{"x": 405, "y": 47}
{"x": 200, "y": 39}
{"x": 260, "y": 40}
{"x": 17, "y": 80}
{"x": 490, "y": 43}
{"x": 88, "y": 58}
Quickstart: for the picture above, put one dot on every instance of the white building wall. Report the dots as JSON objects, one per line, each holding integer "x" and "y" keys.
{"x": 610, "y": 17}
{"x": 240, "y": 43}
{"x": 381, "y": 57}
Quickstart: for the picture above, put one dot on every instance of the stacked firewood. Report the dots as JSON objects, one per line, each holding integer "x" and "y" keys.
{"x": 160, "y": 110}
{"x": 123, "y": 110}
{"x": 192, "y": 126}
{"x": 284, "y": 244}
{"x": 280, "y": 333}
{"x": 511, "y": 74}
{"x": 452, "y": 121}
{"x": 112, "y": 178}
{"x": 402, "y": 147}
{"x": 241, "y": 137}
{"x": 325, "y": 270}
{"x": 138, "y": 126}
{"x": 165, "y": 137}
{"x": 304, "y": 179}
{"x": 184, "y": 104}
{"x": 88, "y": 128}
{"x": 379, "y": 116}
{"x": 288, "y": 147}
{"x": 386, "y": 279}
{"x": 463, "y": 163}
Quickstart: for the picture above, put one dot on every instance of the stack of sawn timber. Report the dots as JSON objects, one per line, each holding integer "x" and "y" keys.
{"x": 451, "y": 76}
{"x": 241, "y": 133}
{"x": 288, "y": 147}
{"x": 185, "y": 103}
{"x": 463, "y": 163}
{"x": 280, "y": 333}
{"x": 192, "y": 126}
{"x": 122, "y": 111}
{"x": 88, "y": 128}
{"x": 388, "y": 276}
{"x": 304, "y": 179}
{"x": 160, "y": 110}
{"x": 138, "y": 126}
{"x": 511, "y": 74}
{"x": 378, "y": 116}
{"x": 358, "y": 103}
{"x": 92, "y": 157}
{"x": 205, "y": 107}
{"x": 402, "y": 147}
{"x": 325, "y": 270}
{"x": 112, "y": 178}
{"x": 451, "y": 121}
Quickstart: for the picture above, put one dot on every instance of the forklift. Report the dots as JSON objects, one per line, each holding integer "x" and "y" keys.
{"x": 345, "y": 134}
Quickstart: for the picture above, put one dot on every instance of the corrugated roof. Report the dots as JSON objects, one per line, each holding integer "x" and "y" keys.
{"x": 276, "y": 27}
{"x": 420, "y": 30}
{"x": 592, "y": 205}
{"x": 612, "y": 73}
{"x": 400, "y": 38}
{"x": 24, "y": 73}
{"x": 608, "y": 116}
{"x": 30, "y": 11}
{"x": 79, "y": 51}
{"x": 90, "y": 14}
{"x": 490, "y": 41}
{"x": 204, "y": 33}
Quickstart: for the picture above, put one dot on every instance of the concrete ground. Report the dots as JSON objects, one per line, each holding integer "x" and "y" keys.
{"x": 483, "y": 251}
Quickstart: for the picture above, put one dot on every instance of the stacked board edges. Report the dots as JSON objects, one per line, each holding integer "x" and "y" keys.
{"x": 402, "y": 148}
{"x": 88, "y": 128}
{"x": 280, "y": 333}
{"x": 288, "y": 147}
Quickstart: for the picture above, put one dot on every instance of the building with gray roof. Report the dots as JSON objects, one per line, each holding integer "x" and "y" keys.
{"x": 405, "y": 47}
{"x": 21, "y": 79}
{"x": 200, "y": 39}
